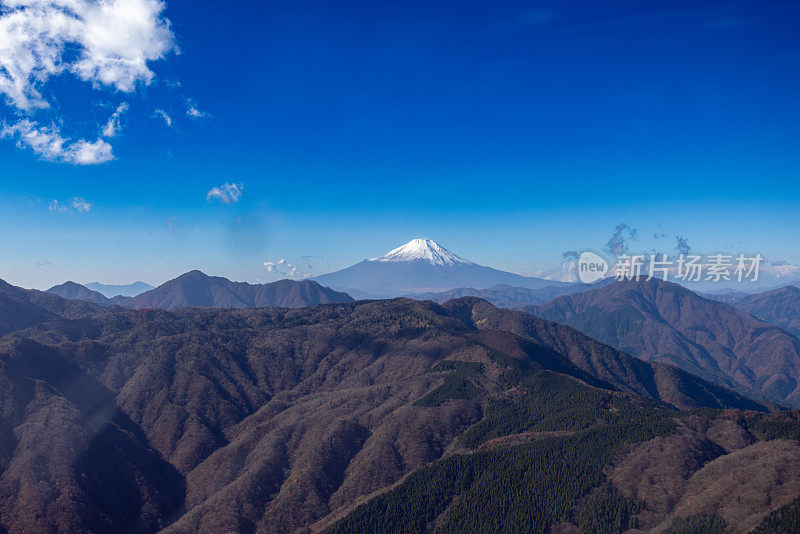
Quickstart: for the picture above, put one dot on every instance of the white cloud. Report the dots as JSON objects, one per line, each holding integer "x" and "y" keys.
{"x": 196, "y": 113}
{"x": 80, "y": 204}
{"x": 75, "y": 204}
{"x": 48, "y": 143}
{"x": 782, "y": 270}
{"x": 110, "y": 43}
{"x": 107, "y": 43}
{"x": 273, "y": 265}
{"x": 565, "y": 272}
{"x": 56, "y": 207}
{"x": 193, "y": 112}
{"x": 163, "y": 114}
{"x": 283, "y": 268}
{"x": 86, "y": 153}
{"x": 227, "y": 193}
{"x": 112, "y": 127}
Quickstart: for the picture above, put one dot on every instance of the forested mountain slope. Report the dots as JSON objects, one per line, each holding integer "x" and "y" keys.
{"x": 780, "y": 307}
{"x": 268, "y": 420}
{"x": 664, "y": 322}
{"x": 198, "y": 289}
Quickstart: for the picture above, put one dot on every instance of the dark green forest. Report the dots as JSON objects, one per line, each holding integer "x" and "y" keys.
{"x": 697, "y": 524}
{"x": 530, "y": 487}
{"x": 784, "y": 520}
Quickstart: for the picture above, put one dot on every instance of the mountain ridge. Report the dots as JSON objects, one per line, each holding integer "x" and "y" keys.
{"x": 22, "y": 308}
{"x": 506, "y": 296}
{"x": 780, "y": 307}
{"x": 75, "y": 291}
{"x": 195, "y": 288}
{"x": 661, "y": 321}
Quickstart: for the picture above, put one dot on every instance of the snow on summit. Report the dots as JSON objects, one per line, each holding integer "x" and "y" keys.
{"x": 422, "y": 250}
{"x": 420, "y": 266}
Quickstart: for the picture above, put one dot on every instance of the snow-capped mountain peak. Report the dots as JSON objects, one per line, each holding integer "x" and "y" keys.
{"x": 422, "y": 250}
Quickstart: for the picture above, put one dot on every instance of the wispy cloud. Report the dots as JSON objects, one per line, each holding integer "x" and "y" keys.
{"x": 227, "y": 193}
{"x": 783, "y": 270}
{"x": 107, "y": 44}
{"x": 80, "y": 204}
{"x": 112, "y": 127}
{"x": 76, "y": 204}
{"x": 618, "y": 243}
{"x": 160, "y": 113}
{"x": 47, "y": 142}
{"x": 174, "y": 226}
{"x": 682, "y": 245}
{"x": 57, "y": 207}
{"x": 193, "y": 111}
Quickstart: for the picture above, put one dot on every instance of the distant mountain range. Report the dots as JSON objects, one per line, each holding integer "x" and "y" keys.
{"x": 506, "y": 296}
{"x": 421, "y": 266}
{"x": 125, "y": 290}
{"x": 198, "y": 289}
{"x": 661, "y": 321}
{"x": 724, "y": 295}
{"x": 780, "y": 307}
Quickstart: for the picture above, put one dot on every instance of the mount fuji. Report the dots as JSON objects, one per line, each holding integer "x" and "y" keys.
{"x": 421, "y": 265}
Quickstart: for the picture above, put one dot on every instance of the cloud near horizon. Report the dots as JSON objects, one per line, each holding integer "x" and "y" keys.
{"x": 285, "y": 269}
{"x": 782, "y": 269}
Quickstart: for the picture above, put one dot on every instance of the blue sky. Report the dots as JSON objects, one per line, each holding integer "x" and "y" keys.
{"x": 509, "y": 132}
